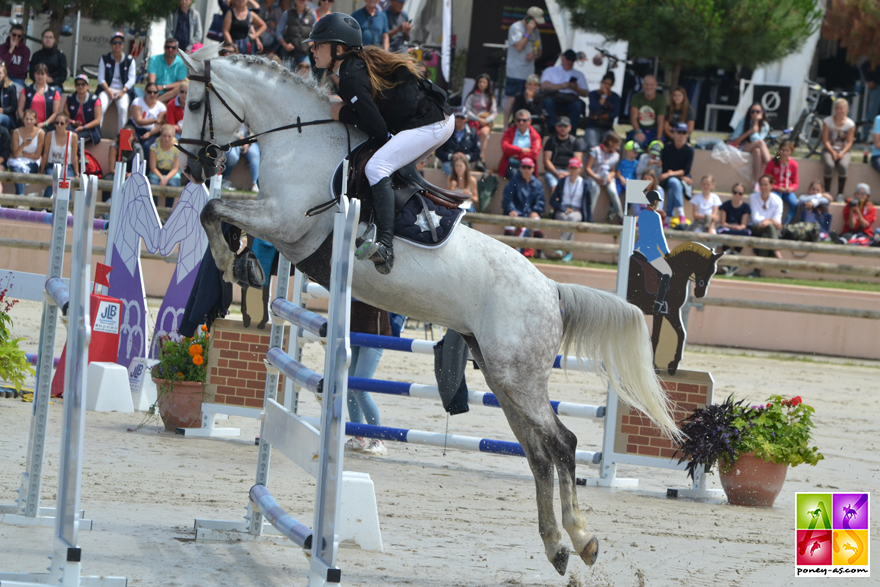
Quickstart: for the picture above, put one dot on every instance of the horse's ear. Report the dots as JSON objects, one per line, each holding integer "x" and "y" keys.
{"x": 191, "y": 65}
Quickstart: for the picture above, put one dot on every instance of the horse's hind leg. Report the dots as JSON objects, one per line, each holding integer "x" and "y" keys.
{"x": 585, "y": 544}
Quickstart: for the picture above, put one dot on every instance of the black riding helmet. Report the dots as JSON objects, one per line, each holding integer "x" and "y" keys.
{"x": 337, "y": 28}
{"x": 654, "y": 196}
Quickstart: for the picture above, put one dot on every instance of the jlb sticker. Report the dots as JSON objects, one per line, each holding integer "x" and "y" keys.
{"x": 107, "y": 319}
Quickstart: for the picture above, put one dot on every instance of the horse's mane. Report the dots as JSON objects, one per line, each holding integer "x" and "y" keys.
{"x": 701, "y": 250}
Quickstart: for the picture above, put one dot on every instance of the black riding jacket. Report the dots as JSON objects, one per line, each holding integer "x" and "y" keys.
{"x": 405, "y": 106}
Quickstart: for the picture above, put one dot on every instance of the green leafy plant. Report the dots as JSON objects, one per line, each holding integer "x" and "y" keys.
{"x": 14, "y": 366}
{"x": 181, "y": 360}
{"x": 779, "y": 431}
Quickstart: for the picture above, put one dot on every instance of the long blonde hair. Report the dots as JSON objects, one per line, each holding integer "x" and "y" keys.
{"x": 382, "y": 64}
{"x": 467, "y": 171}
{"x": 6, "y": 81}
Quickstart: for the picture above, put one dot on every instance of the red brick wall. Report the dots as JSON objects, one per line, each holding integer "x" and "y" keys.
{"x": 236, "y": 371}
{"x": 637, "y": 435}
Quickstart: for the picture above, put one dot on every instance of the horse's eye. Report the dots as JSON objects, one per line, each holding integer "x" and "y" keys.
{"x": 194, "y": 106}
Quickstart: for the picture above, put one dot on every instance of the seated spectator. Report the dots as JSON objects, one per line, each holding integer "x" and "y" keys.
{"x": 811, "y": 221}
{"x": 167, "y": 71}
{"x": 164, "y": 163}
{"x": 464, "y": 140}
{"x": 461, "y": 181}
{"x": 84, "y": 111}
{"x": 148, "y": 115}
{"x": 518, "y": 141}
{"x": 765, "y": 209}
{"x": 251, "y": 154}
{"x": 838, "y": 135}
{"x": 784, "y": 171}
{"x": 294, "y": 29}
{"x": 626, "y": 167}
{"x": 8, "y": 101}
{"x": 15, "y": 54}
{"x": 185, "y": 26}
{"x": 27, "y": 148}
{"x": 651, "y": 159}
{"x": 116, "y": 77}
{"x": 374, "y": 24}
{"x": 531, "y": 99}
{"x": 558, "y": 151}
{"x": 571, "y": 201}
{"x": 677, "y": 159}
{"x": 600, "y": 169}
{"x": 175, "y": 109}
{"x": 604, "y": 108}
{"x": 564, "y": 86}
{"x": 859, "y": 216}
{"x": 480, "y": 109}
{"x": 243, "y": 27}
{"x": 647, "y": 113}
{"x": 55, "y": 60}
{"x": 524, "y": 197}
{"x": 875, "y": 147}
{"x": 42, "y": 98}
{"x": 706, "y": 205}
{"x": 678, "y": 110}
{"x": 59, "y": 148}
{"x": 126, "y": 156}
{"x": 733, "y": 215}
{"x": 651, "y": 176}
{"x": 750, "y": 138}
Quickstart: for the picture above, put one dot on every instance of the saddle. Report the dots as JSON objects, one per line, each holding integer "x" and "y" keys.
{"x": 652, "y": 276}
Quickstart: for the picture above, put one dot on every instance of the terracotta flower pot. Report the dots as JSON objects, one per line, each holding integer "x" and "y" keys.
{"x": 753, "y": 482}
{"x": 182, "y": 406}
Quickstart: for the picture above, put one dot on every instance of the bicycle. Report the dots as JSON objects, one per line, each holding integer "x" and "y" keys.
{"x": 613, "y": 60}
{"x": 807, "y": 130}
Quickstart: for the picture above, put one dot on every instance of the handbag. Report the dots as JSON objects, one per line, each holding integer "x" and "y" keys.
{"x": 563, "y": 98}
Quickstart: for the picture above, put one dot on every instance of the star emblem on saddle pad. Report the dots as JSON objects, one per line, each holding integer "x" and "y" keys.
{"x": 422, "y": 220}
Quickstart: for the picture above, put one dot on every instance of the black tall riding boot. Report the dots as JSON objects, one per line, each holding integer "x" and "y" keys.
{"x": 383, "y": 212}
{"x": 660, "y": 305}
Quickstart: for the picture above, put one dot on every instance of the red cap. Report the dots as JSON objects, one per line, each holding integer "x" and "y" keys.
{"x": 575, "y": 162}
{"x": 527, "y": 161}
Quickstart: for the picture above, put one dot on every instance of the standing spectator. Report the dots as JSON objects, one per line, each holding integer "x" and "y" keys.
{"x": 565, "y": 86}
{"x": 600, "y": 168}
{"x": 251, "y": 154}
{"x": 784, "y": 171}
{"x": 400, "y": 25}
{"x": 524, "y": 197}
{"x": 325, "y": 7}
{"x": 652, "y": 159}
{"x": 676, "y": 177}
{"x": 647, "y": 112}
{"x": 558, "y": 151}
{"x": 678, "y": 110}
{"x": 84, "y": 111}
{"x": 463, "y": 141}
{"x": 523, "y": 47}
{"x": 54, "y": 59}
{"x": 838, "y": 135}
{"x": 8, "y": 101}
{"x": 364, "y": 361}
{"x": 604, "y": 108}
{"x": 271, "y": 12}
{"x": 174, "y": 111}
{"x": 294, "y": 29}
{"x": 15, "y": 54}
{"x": 42, "y": 98}
{"x": 859, "y": 216}
{"x": 518, "y": 142}
{"x": 116, "y": 77}
{"x": 27, "y": 148}
{"x": 243, "y": 27}
{"x": 530, "y": 99}
{"x": 374, "y": 24}
{"x": 750, "y": 138}
{"x": 185, "y": 26}
{"x": 571, "y": 201}
{"x": 481, "y": 110}
{"x": 59, "y": 147}
{"x": 626, "y": 167}
{"x": 461, "y": 180}
{"x": 871, "y": 75}
{"x": 706, "y": 205}
{"x": 148, "y": 115}
{"x": 164, "y": 163}
{"x": 765, "y": 210}
{"x": 167, "y": 71}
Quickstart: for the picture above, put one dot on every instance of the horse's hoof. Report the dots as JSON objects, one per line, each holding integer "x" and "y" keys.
{"x": 560, "y": 560}
{"x": 245, "y": 320}
{"x": 591, "y": 551}
{"x": 673, "y": 367}
{"x": 262, "y": 325}
{"x": 247, "y": 271}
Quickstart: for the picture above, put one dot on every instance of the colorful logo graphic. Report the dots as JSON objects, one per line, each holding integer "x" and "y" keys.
{"x": 832, "y": 534}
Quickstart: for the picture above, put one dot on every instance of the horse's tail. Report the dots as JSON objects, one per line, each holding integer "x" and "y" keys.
{"x": 613, "y": 333}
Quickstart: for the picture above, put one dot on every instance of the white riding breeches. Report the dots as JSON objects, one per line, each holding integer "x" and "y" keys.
{"x": 407, "y": 146}
{"x": 662, "y": 266}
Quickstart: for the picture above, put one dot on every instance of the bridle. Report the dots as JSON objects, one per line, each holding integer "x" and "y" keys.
{"x": 210, "y": 154}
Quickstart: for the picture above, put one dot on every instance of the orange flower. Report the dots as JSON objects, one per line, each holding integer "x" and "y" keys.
{"x": 204, "y": 328}
{"x": 181, "y": 375}
{"x": 195, "y": 349}
{"x": 198, "y": 360}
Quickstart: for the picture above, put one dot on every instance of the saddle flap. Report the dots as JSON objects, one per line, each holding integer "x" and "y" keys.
{"x": 652, "y": 279}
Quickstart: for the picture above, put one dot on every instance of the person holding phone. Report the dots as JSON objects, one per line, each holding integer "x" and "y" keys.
{"x": 399, "y": 25}
{"x": 523, "y": 48}
{"x": 565, "y": 86}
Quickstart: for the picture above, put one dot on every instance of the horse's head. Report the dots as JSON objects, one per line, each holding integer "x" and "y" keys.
{"x": 704, "y": 275}
{"x": 214, "y": 113}
{"x": 697, "y": 261}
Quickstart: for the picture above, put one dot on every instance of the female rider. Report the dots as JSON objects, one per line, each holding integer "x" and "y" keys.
{"x": 652, "y": 244}
{"x": 382, "y": 93}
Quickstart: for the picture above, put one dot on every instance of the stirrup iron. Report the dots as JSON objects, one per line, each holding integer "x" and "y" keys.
{"x": 369, "y": 246}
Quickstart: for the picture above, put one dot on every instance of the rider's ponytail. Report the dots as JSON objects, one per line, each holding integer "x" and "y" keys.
{"x": 382, "y": 65}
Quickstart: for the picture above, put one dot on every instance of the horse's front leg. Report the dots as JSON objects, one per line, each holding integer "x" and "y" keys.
{"x": 675, "y": 321}
{"x": 245, "y": 270}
